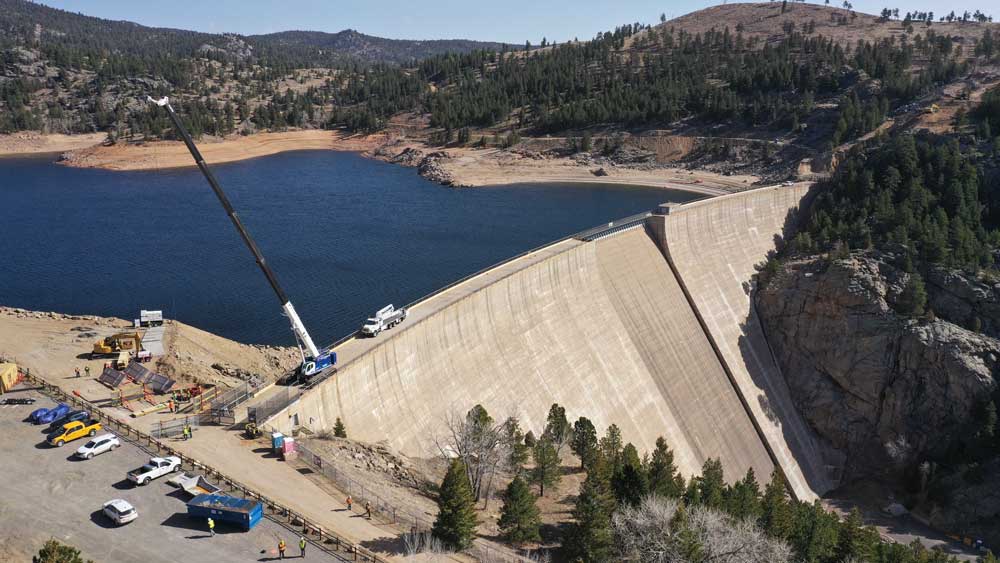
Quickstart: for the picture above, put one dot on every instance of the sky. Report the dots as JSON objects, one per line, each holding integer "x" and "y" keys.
{"x": 515, "y": 22}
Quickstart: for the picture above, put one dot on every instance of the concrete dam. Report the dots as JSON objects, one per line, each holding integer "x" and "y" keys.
{"x": 648, "y": 325}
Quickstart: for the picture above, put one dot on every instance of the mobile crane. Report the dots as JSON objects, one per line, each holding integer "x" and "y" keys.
{"x": 313, "y": 361}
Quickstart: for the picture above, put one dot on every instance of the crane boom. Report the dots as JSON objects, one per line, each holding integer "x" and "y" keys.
{"x": 301, "y": 334}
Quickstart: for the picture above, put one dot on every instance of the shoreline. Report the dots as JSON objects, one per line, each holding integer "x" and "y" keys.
{"x": 458, "y": 167}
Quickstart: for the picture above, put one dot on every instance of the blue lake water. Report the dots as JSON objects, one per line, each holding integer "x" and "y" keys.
{"x": 346, "y": 235}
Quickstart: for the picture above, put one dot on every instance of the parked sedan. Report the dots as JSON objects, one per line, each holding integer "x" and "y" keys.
{"x": 120, "y": 511}
{"x": 97, "y": 446}
{"x": 46, "y": 416}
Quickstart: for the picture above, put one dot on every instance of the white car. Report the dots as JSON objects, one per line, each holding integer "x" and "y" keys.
{"x": 120, "y": 511}
{"x": 98, "y": 445}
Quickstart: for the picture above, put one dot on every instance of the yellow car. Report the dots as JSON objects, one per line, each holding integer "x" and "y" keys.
{"x": 74, "y": 431}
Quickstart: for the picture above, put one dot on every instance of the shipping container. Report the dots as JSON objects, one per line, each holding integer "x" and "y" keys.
{"x": 242, "y": 512}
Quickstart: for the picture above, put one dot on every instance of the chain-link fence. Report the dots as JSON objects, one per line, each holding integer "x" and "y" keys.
{"x": 362, "y": 495}
{"x": 265, "y": 410}
{"x": 173, "y": 428}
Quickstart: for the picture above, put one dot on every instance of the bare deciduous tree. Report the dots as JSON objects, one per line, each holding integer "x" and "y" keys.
{"x": 650, "y": 532}
{"x": 480, "y": 443}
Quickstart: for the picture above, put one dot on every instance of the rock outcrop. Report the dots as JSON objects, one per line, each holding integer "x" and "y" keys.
{"x": 430, "y": 167}
{"x": 886, "y": 390}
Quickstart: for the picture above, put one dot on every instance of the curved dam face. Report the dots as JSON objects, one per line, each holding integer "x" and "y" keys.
{"x": 610, "y": 329}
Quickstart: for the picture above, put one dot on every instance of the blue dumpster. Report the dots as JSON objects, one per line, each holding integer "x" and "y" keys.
{"x": 242, "y": 512}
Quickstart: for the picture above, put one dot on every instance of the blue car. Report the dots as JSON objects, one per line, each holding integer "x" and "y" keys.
{"x": 46, "y": 416}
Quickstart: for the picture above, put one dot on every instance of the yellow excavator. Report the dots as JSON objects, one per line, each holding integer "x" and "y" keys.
{"x": 115, "y": 344}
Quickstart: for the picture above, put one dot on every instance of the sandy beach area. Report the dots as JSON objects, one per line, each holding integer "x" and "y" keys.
{"x": 37, "y": 143}
{"x": 173, "y": 154}
{"x": 491, "y": 167}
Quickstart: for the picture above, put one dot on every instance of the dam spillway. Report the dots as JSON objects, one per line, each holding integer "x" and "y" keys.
{"x": 649, "y": 327}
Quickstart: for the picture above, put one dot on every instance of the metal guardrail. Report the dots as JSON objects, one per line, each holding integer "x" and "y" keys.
{"x": 613, "y": 228}
{"x": 326, "y": 540}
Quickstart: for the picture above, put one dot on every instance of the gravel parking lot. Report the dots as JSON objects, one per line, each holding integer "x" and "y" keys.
{"x": 46, "y": 493}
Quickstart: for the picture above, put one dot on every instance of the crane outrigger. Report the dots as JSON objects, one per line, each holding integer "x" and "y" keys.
{"x": 313, "y": 361}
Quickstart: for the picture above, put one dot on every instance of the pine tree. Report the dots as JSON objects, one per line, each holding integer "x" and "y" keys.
{"x": 629, "y": 481}
{"x": 688, "y": 544}
{"x": 776, "y": 512}
{"x": 54, "y": 552}
{"x": 456, "y": 520}
{"x": 339, "y": 430}
{"x": 856, "y": 541}
{"x": 611, "y": 447}
{"x": 557, "y": 427}
{"x": 712, "y": 484}
{"x": 519, "y": 519}
{"x": 584, "y": 443}
{"x": 664, "y": 479}
{"x": 744, "y": 500}
{"x": 519, "y": 452}
{"x": 590, "y": 538}
{"x": 913, "y": 299}
{"x": 546, "y": 470}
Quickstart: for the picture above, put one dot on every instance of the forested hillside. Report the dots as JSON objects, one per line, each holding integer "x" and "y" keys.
{"x": 801, "y": 81}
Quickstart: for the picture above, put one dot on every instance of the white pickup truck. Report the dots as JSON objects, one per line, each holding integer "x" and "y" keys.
{"x": 386, "y": 318}
{"x": 157, "y": 467}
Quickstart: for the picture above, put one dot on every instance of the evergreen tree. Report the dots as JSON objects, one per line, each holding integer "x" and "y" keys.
{"x": 519, "y": 451}
{"x": 913, "y": 299}
{"x": 664, "y": 479}
{"x": 584, "y": 443}
{"x": 557, "y": 427}
{"x": 776, "y": 511}
{"x": 546, "y": 471}
{"x": 455, "y": 525}
{"x": 519, "y": 519}
{"x": 692, "y": 495}
{"x": 712, "y": 484}
{"x": 54, "y": 552}
{"x": 590, "y": 538}
{"x": 856, "y": 541}
{"x": 744, "y": 500}
{"x": 688, "y": 544}
{"x": 611, "y": 447}
{"x": 339, "y": 430}
{"x": 815, "y": 533}
{"x": 629, "y": 481}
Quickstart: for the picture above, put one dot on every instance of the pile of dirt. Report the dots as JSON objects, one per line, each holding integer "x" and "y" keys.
{"x": 202, "y": 357}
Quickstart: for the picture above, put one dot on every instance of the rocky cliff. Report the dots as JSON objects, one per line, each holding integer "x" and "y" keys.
{"x": 886, "y": 390}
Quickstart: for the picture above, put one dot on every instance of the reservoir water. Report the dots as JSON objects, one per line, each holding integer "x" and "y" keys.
{"x": 346, "y": 235}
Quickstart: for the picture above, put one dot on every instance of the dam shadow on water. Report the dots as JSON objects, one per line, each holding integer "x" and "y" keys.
{"x": 345, "y": 235}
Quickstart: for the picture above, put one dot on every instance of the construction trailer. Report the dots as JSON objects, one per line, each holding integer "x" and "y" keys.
{"x": 8, "y": 377}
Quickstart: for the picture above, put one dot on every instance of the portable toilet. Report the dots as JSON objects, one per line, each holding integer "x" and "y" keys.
{"x": 277, "y": 440}
{"x": 288, "y": 449}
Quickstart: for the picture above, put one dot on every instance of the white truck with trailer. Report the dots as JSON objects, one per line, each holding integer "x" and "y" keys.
{"x": 386, "y": 318}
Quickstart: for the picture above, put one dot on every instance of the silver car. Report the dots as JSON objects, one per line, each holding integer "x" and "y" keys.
{"x": 120, "y": 511}
{"x": 98, "y": 445}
